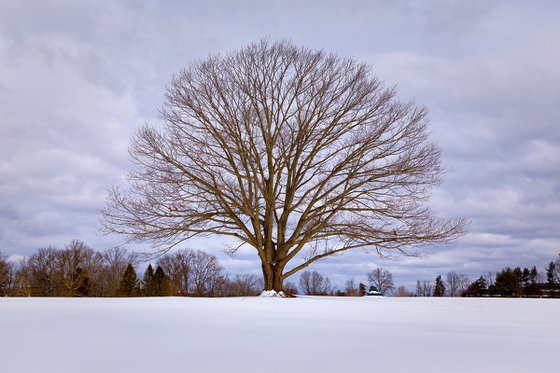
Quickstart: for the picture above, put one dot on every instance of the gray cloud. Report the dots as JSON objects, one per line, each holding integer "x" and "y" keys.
{"x": 78, "y": 78}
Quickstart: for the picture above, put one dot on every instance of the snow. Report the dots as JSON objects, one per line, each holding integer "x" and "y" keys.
{"x": 304, "y": 334}
{"x": 272, "y": 293}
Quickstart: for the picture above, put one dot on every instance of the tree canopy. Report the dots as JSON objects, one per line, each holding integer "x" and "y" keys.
{"x": 296, "y": 152}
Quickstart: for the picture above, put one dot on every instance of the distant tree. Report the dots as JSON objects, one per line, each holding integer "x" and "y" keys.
{"x": 78, "y": 267}
{"x": 439, "y": 288}
{"x": 6, "y": 276}
{"x": 424, "y": 288}
{"x": 161, "y": 283}
{"x": 44, "y": 273}
{"x": 128, "y": 286}
{"x": 148, "y": 282}
{"x": 290, "y": 288}
{"x": 314, "y": 283}
{"x": 490, "y": 278}
{"x": 553, "y": 271}
{"x": 382, "y": 279}
{"x": 508, "y": 283}
{"x": 456, "y": 284}
{"x": 550, "y": 273}
{"x": 246, "y": 285}
{"x": 476, "y": 289}
{"x": 83, "y": 285}
{"x": 362, "y": 289}
{"x": 351, "y": 289}
{"x": 553, "y": 278}
{"x": 529, "y": 282}
{"x": 534, "y": 288}
{"x": 23, "y": 280}
{"x": 206, "y": 274}
{"x": 177, "y": 266}
{"x": 403, "y": 292}
{"x": 115, "y": 263}
{"x": 75, "y": 270}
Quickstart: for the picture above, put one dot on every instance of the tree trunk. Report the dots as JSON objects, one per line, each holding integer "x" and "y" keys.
{"x": 272, "y": 277}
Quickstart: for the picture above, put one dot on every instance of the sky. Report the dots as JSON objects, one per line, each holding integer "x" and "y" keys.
{"x": 78, "y": 79}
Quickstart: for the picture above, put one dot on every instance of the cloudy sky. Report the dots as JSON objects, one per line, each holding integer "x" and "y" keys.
{"x": 78, "y": 78}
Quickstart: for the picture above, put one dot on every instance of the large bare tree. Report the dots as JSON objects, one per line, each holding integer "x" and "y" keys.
{"x": 295, "y": 152}
{"x": 382, "y": 279}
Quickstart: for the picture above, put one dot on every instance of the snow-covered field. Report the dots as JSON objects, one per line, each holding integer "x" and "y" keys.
{"x": 307, "y": 334}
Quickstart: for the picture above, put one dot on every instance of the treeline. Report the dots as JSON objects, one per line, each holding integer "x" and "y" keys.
{"x": 509, "y": 282}
{"x": 314, "y": 283}
{"x": 79, "y": 271}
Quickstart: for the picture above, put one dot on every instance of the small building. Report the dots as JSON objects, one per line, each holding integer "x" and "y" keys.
{"x": 373, "y": 291}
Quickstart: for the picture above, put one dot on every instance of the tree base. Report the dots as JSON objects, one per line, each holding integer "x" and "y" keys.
{"x": 272, "y": 294}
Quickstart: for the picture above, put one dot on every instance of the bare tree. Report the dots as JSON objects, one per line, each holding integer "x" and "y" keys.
{"x": 352, "y": 290}
{"x": 424, "y": 288}
{"x": 23, "y": 279}
{"x": 206, "y": 274}
{"x": 490, "y": 278}
{"x": 403, "y": 292}
{"x": 382, "y": 279}
{"x": 290, "y": 288}
{"x": 43, "y": 272}
{"x": 457, "y": 283}
{"x": 115, "y": 263}
{"x": 245, "y": 285}
{"x": 7, "y": 275}
{"x": 80, "y": 269}
{"x": 177, "y": 266}
{"x": 314, "y": 283}
{"x": 297, "y": 153}
{"x": 556, "y": 270}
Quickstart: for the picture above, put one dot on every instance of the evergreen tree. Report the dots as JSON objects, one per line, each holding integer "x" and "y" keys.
{"x": 508, "y": 283}
{"x": 161, "y": 283}
{"x": 128, "y": 286}
{"x": 362, "y": 289}
{"x": 550, "y": 280}
{"x": 525, "y": 280}
{"x": 439, "y": 289}
{"x": 476, "y": 289}
{"x": 532, "y": 288}
{"x": 551, "y": 283}
{"x": 148, "y": 282}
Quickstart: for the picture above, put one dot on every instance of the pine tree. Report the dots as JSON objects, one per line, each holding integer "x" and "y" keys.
{"x": 439, "y": 289}
{"x": 550, "y": 273}
{"x": 476, "y": 289}
{"x": 532, "y": 286}
{"x": 161, "y": 283}
{"x": 508, "y": 283}
{"x": 551, "y": 279}
{"x": 362, "y": 289}
{"x": 148, "y": 282}
{"x": 129, "y": 283}
{"x": 525, "y": 281}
